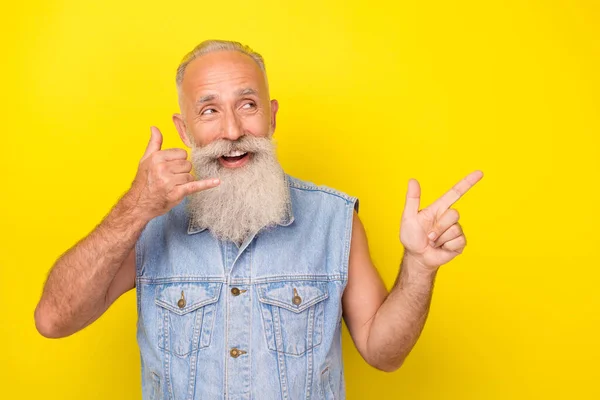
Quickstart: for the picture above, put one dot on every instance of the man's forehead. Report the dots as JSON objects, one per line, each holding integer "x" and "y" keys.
{"x": 228, "y": 71}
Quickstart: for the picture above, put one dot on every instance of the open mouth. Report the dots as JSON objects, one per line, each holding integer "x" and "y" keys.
{"x": 234, "y": 159}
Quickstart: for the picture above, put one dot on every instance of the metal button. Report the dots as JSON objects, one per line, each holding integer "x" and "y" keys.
{"x": 297, "y": 299}
{"x": 235, "y": 291}
{"x": 181, "y": 302}
{"x": 235, "y": 352}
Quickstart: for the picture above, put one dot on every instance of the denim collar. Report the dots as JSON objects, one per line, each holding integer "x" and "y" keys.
{"x": 288, "y": 217}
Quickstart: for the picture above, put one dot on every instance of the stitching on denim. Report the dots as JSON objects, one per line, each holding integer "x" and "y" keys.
{"x": 197, "y": 331}
{"x": 303, "y": 185}
{"x": 167, "y": 356}
{"x": 227, "y": 269}
{"x": 138, "y": 272}
{"x": 250, "y": 293}
{"x": 138, "y": 258}
{"x": 166, "y": 331}
{"x": 280, "y": 353}
{"x": 190, "y": 309}
{"x": 192, "y": 377}
{"x": 277, "y": 303}
{"x": 332, "y": 192}
{"x": 182, "y": 278}
{"x": 347, "y": 240}
{"x": 247, "y": 281}
{"x": 262, "y": 308}
{"x": 310, "y": 348}
{"x": 138, "y": 296}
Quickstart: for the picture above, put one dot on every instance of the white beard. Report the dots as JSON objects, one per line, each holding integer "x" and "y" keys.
{"x": 248, "y": 198}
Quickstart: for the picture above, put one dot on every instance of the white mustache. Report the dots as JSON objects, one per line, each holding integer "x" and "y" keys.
{"x": 221, "y": 147}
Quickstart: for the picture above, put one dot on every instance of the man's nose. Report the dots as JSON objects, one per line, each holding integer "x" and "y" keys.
{"x": 232, "y": 128}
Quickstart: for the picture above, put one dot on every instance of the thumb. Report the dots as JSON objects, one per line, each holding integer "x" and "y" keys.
{"x": 413, "y": 198}
{"x": 155, "y": 142}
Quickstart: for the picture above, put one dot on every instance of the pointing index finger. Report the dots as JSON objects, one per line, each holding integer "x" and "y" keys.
{"x": 452, "y": 196}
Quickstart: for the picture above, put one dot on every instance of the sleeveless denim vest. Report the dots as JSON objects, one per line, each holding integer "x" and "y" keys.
{"x": 262, "y": 321}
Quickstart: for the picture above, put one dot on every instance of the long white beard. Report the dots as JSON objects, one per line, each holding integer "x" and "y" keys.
{"x": 248, "y": 198}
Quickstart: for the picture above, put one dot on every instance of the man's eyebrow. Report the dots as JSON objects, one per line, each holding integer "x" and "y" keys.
{"x": 212, "y": 97}
{"x": 206, "y": 99}
{"x": 246, "y": 92}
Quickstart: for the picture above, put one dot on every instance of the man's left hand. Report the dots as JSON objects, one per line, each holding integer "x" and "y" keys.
{"x": 433, "y": 236}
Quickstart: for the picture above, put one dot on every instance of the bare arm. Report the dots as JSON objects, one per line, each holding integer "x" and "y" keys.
{"x": 91, "y": 275}
{"x": 77, "y": 292}
{"x": 385, "y": 327}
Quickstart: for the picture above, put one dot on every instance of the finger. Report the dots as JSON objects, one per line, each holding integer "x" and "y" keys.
{"x": 451, "y": 233}
{"x": 456, "y": 245}
{"x": 179, "y": 166}
{"x": 413, "y": 199}
{"x": 456, "y": 192}
{"x": 182, "y": 179}
{"x": 169, "y": 155}
{"x": 448, "y": 218}
{"x": 196, "y": 186}
{"x": 155, "y": 142}
{"x": 174, "y": 180}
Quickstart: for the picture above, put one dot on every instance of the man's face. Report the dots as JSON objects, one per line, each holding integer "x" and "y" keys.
{"x": 224, "y": 95}
{"x": 228, "y": 121}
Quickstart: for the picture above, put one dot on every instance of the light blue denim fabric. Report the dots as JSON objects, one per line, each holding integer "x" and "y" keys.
{"x": 285, "y": 321}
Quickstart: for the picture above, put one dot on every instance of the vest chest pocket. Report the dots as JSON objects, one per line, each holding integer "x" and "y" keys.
{"x": 186, "y": 312}
{"x": 292, "y": 315}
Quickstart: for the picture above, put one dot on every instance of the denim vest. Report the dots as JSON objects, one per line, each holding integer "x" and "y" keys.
{"x": 261, "y": 321}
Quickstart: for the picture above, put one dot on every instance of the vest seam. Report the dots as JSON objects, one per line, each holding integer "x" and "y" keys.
{"x": 297, "y": 183}
{"x": 332, "y": 192}
{"x": 348, "y": 239}
{"x": 248, "y": 281}
{"x": 250, "y": 294}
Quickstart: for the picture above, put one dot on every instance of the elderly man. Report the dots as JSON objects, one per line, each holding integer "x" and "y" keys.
{"x": 242, "y": 272}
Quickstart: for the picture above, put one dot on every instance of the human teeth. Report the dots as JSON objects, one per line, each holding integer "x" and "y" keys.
{"x": 235, "y": 153}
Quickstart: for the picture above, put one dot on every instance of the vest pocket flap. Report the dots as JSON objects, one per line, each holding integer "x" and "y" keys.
{"x": 295, "y": 296}
{"x": 184, "y": 297}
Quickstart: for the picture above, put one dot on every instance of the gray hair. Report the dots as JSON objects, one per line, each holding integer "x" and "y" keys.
{"x": 210, "y": 46}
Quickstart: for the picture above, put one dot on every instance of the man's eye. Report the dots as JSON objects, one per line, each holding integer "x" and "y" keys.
{"x": 248, "y": 105}
{"x": 209, "y": 111}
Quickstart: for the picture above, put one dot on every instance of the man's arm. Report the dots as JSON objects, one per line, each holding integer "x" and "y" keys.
{"x": 90, "y": 276}
{"x": 385, "y": 327}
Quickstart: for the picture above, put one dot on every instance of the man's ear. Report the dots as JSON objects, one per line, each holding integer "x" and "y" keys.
{"x": 180, "y": 126}
{"x": 274, "y": 108}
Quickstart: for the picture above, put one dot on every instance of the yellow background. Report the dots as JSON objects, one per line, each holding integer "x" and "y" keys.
{"x": 371, "y": 94}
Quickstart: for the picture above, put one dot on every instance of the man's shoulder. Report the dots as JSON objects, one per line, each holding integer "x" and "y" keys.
{"x": 309, "y": 188}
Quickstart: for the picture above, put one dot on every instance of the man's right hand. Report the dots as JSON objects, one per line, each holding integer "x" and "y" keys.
{"x": 163, "y": 178}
